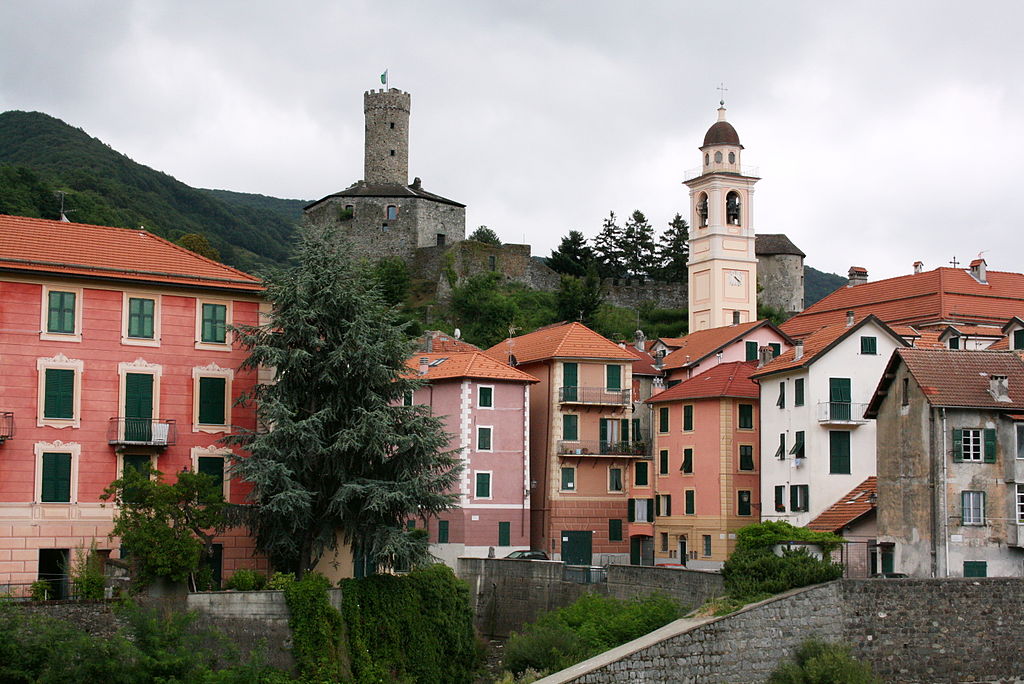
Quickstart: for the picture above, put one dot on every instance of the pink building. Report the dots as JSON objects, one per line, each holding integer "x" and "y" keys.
{"x": 686, "y": 357}
{"x": 484, "y": 405}
{"x": 114, "y": 353}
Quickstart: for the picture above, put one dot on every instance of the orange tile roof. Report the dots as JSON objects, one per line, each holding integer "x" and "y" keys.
{"x": 1000, "y": 345}
{"x": 848, "y": 509}
{"x": 78, "y": 249}
{"x": 929, "y": 339}
{"x": 437, "y": 341}
{"x": 561, "y": 341}
{"x": 979, "y": 330}
{"x": 944, "y": 294}
{"x": 699, "y": 345}
{"x": 644, "y": 362}
{"x": 471, "y": 364}
{"x": 724, "y": 380}
{"x": 816, "y": 344}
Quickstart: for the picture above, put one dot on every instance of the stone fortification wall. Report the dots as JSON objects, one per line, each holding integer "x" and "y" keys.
{"x": 632, "y": 293}
{"x": 781, "y": 279}
{"x": 364, "y": 231}
{"x": 93, "y": 617}
{"x": 687, "y": 587}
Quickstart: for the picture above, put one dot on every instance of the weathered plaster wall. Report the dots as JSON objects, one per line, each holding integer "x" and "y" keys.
{"x": 781, "y": 278}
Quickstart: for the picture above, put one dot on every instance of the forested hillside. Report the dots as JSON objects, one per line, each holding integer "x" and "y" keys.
{"x": 40, "y": 155}
{"x": 818, "y": 284}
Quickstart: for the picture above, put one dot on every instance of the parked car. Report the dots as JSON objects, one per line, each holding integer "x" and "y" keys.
{"x": 532, "y": 554}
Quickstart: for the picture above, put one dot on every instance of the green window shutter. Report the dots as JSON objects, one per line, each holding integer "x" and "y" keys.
{"x": 798, "y": 392}
{"x": 839, "y": 452}
{"x": 570, "y": 427}
{"x": 487, "y": 397}
{"x": 746, "y": 416}
{"x": 570, "y": 374}
{"x": 215, "y": 317}
{"x": 483, "y": 439}
{"x": 839, "y": 389}
{"x": 410, "y": 524}
{"x": 958, "y": 445}
{"x": 59, "y": 393}
{"x": 613, "y": 377}
{"x": 640, "y": 475}
{"x": 141, "y": 318}
{"x": 687, "y": 460}
{"x": 615, "y": 528}
{"x": 483, "y": 485}
{"x": 781, "y": 402}
{"x": 963, "y": 508}
{"x": 663, "y": 419}
{"x": 794, "y": 498}
{"x": 504, "y": 534}
{"x": 868, "y": 345}
{"x": 780, "y": 498}
{"x": 214, "y": 467}
{"x": 1018, "y": 339}
{"x": 442, "y": 531}
{"x": 138, "y": 396}
{"x": 568, "y": 479}
{"x": 751, "y": 349}
{"x": 211, "y": 400}
{"x": 651, "y": 511}
{"x": 975, "y": 569}
{"x": 603, "y": 430}
{"x": 60, "y": 316}
{"x": 56, "y": 478}
{"x": 990, "y": 445}
{"x": 688, "y": 417}
{"x": 688, "y": 503}
{"x": 746, "y": 457}
{"x": 624, "y": 429}
{"x": 631, "y": 510}
{"x": 954, "y": 342}
{"x": 663, "y": 462}
{"x": 776, "y": 348}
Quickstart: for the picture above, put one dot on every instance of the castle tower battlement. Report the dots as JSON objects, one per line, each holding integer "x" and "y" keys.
{"x": 386, "y": 155}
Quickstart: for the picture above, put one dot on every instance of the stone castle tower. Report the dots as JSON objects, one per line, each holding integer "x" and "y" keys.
{"x": 383, "y": 215}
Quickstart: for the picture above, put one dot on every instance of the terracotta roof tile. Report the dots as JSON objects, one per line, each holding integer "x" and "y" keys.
{"x": 1000, "y": 345}
{"x": 848, "y": 509}
{"x": 960, "y": 378}
{"x": 472, "y": 364}
{"x": 929, "y": 339}
{"x": 944, "y": 294}
{"x": 644, "y": 363}
{"x": 562, "y": 341}
{"x": 78, "y": 249}
{"x": 724, "y": 380}
{"x": 437, "y": 341}
{"x": 701, "y": 344}
{"x": 816, "y": 344}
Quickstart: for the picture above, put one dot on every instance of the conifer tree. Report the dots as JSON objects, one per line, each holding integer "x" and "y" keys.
{"x": 578, "y": 299}
{"x": 572, "y": 256}
{"x": 485, "y": 235}
{"x": 674, "y": 251}
{"x": 639, "y": 254}
{"x": 343, "y": 459}
{"x": 608, "y": 248}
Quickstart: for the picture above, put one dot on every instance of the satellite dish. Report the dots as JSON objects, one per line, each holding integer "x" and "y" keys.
{"x": 458, "y": 334}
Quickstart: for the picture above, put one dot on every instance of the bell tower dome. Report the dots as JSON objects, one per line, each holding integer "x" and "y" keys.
{"x": 723, "y": 265}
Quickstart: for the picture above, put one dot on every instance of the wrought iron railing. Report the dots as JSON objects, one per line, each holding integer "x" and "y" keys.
{"x": 595, "y": 395}
{"x": 6, "y": 425}
{"x": 142, "y": 432}
{"x": 600, "y": 448}
{"x": 841, "y": 412}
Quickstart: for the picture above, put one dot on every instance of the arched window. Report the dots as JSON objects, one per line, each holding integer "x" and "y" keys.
{"x": 702, "y": 210}
{"x": 718, "y": 157}
{"x": 707, "y": 159}
{"x": 732, "y": 157}
{"x": 392, "y": 212}
{"x": 732, "y": 209}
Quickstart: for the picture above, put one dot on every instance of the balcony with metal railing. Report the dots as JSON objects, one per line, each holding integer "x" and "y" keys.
{"x": 841, "y": 413}
{"x": 635, "y": 449}
{"x": 595, "y": 396}
{"x": 155, "y": 432}
{"x": 6, "y": 425}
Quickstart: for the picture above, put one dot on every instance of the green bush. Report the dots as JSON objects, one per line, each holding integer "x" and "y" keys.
{"x": 245, "y": 579}
{"x": 317, "y": 630}
{"x": 413, "y": 628}
{"x": 591, "y": 625}
{"x": 817, "y": 662}
{"x": 40, "y": 590}
{"x": 768, "y": 534}
{"x": 87, "y": 574}
{"x": 280, "y": 580}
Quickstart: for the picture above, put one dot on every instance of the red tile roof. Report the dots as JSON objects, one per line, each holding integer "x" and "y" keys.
{"x": 944, "y": 294}
{"x": 561, "y": 341}
{"x": 437, "y": 341}
{"x": 78, "y": 249}
{"x": 955, "y": 377}
{"x": 644, "y": 363}
{"x": 929, "y": 339}
{"x": 701, "y": 344}
{"x": 724, "y": 380}
{"x": 473, "y": 364}
{"x": 848, "y": 509}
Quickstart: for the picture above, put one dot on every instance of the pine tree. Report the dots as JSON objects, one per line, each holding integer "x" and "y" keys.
{"x": 579, "y": 299}
{"x": 572, "y": 256}
{"x": 344, "y": 460}
{"x": 485, "y": 235}
{"x": 637, "y": 246}
{"x": 608, "y": 249}
{"x": 674, "y": 251}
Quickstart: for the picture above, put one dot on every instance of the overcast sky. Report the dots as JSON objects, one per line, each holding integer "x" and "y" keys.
{"x": 885, "y": 132}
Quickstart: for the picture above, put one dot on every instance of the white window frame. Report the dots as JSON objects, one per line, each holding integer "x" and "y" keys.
{"x": 141, "y": 367}
{"x": 59, "y": 447}
{"x": 974, "y": 513}
{"x": 212, "y": 370}
{"x": 641, "y": 511}
{"x": 490, "y": 484}
{"x": 490, "y": 429}
{"x": 479, "y": 389}
{"x": 214, "y": 452}
{"x": 660, "y": 501}
{"x": 228, "y": 320}
{"x": 1020, "y": 504}
{"x": 976, "y": 453}
{"x": 59, "y": 362}
{"x": 140, "y": 341}
{"x": 45, "y": 310}
{"x": 803, "y": 494}
{"x": 622, "y": 480}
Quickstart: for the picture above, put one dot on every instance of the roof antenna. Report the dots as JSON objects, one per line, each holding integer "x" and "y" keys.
{"x": 63, "y": 214}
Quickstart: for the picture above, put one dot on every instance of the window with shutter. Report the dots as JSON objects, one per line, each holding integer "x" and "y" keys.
{"x": 59, "y": 393}
{"x": 483, "y": 438}
{"x": 687, "y": 466}
{"x": 141, "y": 318}
{"x": 839, "y": 397}
{"x": 868, "y": 345}
{"x": 707, "y": 544}
{"x": 1018, "y": 339}
{"x": 212, "y": 400}
{"x": 781, "y": 401}
{"x": 971, "y": 445}
{"x": 746, "y": 421}
{"x": 631, "y": 510}
{"x": 780, "y": 453}
{"x": 751, "y": 350}
{"x": 990, "y": 445}
{"x": 688, "y": 417}
{"x": 138, "y": 407}
{"x": 975, "y": 568}
{"x": 798, "y": 444}
{"x": 776, "y": 348}
{"x": 213, "y": 466}
{"x": 56, "y": 478}
{"x": 615, "y": 479}
{"x": 663, "y": 419}
{"x": 640, "y": 475}
{"x": 60, "y": 317}
{"x": 615, "y": 529}
{"x": 504, "y": 534}
{"x": 663, "y": 462}
{"x": 780, "y": 498}
{"x": 839, "y": 452}
{"x": 214, "y": 323}
{"x": 442, "y": 531}
{"x": 798, "y": 392}
{"x": 483, "y": 485}
{"x": 570, "y": 381}
{"x": 485, "y": 397}
{"x": 568, "y": 479}
{"x": 689, "y": 505}
{"x": 570, "y": 427}
{"x": 746, "y": 457}
{"x": 613, "y": 377}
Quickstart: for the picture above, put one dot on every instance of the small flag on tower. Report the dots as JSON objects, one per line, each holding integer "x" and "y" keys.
{"x": 384, "y": 78}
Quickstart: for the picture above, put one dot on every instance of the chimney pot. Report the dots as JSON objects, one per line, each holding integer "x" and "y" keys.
{"x": 424, "y": 364}
{"x": 735, "y": 317}
{"x": 978, "y": 270}
{"x": 638, "y": 340}
{"x": 999, "y": 387}
{"x": 764, "y": 356}
{"x": 918, "y": 266}
{"x": 798, "y": 350}
{"x": 850, "y": 317}
{"x": 858, "y": 275}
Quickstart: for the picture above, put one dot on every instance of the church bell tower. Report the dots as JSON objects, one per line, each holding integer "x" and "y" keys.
{"x": 723, "y": 265}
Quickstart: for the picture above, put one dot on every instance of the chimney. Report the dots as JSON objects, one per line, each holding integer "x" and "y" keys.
{"x": 858, "y": 275}
{"x": 657, "y": 384}
{"x": 735, "y": 317}
{"x": 638, "y": 340}
{"x": 798, "y": 350}
{"x": 849, "y": 319}
{"x": 424, "y": 364}
{"x": 918, "y": 267}
{"x": 999, "y": 388}
{"x": 978, "y": 268}
{"x": 764, "y": 356}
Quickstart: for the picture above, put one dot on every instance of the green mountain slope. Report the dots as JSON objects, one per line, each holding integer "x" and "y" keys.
{"x": 40, "y": 155}
{"x": 818, "y": 284}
